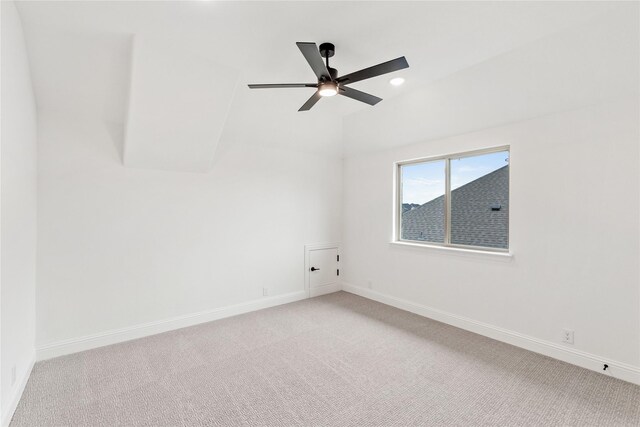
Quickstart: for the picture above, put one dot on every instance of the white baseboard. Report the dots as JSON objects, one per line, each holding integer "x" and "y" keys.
{"x": 616, "y": 369}
{"x": 326, "y": 289}
{"x": 17, "y": 393}
{"x": 115, "y": 336}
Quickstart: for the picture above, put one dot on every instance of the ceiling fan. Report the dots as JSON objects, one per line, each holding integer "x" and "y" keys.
{"x": 329, "y": 84}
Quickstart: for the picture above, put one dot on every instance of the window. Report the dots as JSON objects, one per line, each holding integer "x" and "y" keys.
{"x": 460, "y": 200}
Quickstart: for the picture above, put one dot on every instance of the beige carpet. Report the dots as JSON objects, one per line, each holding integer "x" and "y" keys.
{"x": 336, "y": 360}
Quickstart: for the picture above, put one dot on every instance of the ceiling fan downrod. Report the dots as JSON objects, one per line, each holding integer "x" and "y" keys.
{"x": 327, "y": 50}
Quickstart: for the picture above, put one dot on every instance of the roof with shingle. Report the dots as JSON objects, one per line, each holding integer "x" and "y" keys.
{"x": 479, "y": 214}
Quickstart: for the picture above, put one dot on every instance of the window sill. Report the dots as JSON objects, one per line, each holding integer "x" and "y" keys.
{"x": 506, "y": 256}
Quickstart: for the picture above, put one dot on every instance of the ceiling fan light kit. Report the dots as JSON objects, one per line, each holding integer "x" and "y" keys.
{"x": 329, "y": 84}
{"x": 328, "y": 89}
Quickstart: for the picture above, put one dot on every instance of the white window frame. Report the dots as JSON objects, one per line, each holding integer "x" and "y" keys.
{"x": 397, "y": 232}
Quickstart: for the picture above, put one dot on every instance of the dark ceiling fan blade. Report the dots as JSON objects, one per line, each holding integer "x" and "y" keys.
{"x": 312, "y": 55}
{"x": 359, "y": 96}
{"x": 281, "y": 85}
{"x": 376, "y": 70}
{"x": 310, "y": 102}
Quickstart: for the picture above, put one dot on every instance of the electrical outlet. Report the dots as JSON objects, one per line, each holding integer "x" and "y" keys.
{"x": 567, "y": 336}
{"x": 13, "y": 375}
{"x": 265, "y": 292}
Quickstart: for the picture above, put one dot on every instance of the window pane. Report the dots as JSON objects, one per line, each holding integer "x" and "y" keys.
{"x": 423, "y": 186}
{"x": 480, "y": 200}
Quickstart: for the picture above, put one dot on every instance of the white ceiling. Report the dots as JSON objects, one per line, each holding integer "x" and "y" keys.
{"x": 177, "y": 107}
{"x": 82, "y": 56}
{"x": 589, "y": 63}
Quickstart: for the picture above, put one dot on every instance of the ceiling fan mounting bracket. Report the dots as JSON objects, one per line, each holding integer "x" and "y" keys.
{"x": 327, "y": 50}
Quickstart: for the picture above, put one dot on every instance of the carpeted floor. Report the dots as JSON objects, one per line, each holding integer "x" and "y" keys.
{"x": 336, "y": 360}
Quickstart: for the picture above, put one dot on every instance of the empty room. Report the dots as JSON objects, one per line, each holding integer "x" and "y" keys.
{"x": 319, "y": 213}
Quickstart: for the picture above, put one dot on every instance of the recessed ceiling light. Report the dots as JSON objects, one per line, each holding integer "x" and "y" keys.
{"x": 396, "y": 81}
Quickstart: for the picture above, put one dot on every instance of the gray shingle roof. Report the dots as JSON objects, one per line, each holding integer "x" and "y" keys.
{"x": 473, "y": 221}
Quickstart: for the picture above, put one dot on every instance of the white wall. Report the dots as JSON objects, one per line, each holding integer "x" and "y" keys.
{"x": 18, "y": 213}
{"x": 119, "y": 247}
{"x": 574, "y": 233}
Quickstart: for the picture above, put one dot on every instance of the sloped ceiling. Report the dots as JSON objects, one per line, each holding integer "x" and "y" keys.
{"x": 178, "y": 105}
{"x": 170, "y": 77}
{"x": 583, "y": 65}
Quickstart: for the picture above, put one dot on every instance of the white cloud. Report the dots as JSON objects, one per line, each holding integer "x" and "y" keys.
{"x": 421, "y": 190}
{"x": 422, "y": 181}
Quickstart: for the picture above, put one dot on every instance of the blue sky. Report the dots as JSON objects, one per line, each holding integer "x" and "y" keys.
{"x": 423, "y": 182}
